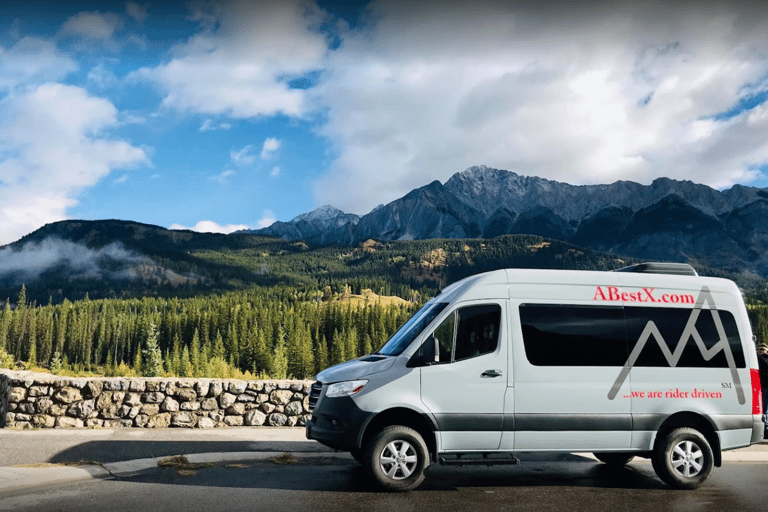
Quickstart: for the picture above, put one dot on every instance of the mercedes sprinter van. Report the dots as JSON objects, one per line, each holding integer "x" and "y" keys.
{"x": 651, "y": 361}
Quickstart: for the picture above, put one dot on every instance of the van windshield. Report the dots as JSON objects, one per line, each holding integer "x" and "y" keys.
{"x": 412, "y": 328}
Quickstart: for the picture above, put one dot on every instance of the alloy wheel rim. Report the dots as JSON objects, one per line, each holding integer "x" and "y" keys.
{"x": 398, "y": 459}
{"x": 687, "y": 459}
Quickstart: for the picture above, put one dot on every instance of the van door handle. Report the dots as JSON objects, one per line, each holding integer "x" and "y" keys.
{"x": 491, "y": 373}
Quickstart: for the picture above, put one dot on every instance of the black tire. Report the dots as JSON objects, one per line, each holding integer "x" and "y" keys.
{"x": 683, "y": 459}
{"x": 614, "y": 459}
{"x": 396, "y": 458}
{"x": 358, "y": 455}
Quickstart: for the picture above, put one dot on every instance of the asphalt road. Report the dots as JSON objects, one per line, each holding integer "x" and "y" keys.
{"x": 333, "y": 484}
{"x": 320, "y": 479}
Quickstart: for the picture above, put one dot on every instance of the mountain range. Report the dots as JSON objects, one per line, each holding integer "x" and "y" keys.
{"x": 667, "y": 220}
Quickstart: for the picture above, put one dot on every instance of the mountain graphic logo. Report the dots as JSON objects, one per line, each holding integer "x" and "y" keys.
{"x": 652, "y": 332}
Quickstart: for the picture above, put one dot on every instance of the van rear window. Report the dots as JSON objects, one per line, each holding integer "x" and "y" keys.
{"x": 671, "y": 324}
{"x": 558, "y": 335}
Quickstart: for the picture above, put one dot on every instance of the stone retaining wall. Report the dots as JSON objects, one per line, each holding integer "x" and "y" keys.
{"x": 39, "y": 400}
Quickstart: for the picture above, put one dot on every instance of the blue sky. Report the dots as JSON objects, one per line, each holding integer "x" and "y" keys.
{"x": 218, "y": 116}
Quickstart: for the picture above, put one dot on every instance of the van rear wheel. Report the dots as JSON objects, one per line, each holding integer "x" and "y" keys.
{"x": 614, "y": 459}
{"x": 683, "y": 459}
{"x": 396, "y": 458}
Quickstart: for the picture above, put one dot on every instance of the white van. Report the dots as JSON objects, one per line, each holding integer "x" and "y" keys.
{"x": 651, "y": 361}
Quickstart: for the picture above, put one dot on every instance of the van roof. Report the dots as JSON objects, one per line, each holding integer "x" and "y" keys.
{"x": 679, "y": 269}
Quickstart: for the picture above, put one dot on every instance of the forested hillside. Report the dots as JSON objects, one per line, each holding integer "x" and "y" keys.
{"x": 117, "y": 259}
{"x": 123, "y": 298}
{"x": 261, "y": 332}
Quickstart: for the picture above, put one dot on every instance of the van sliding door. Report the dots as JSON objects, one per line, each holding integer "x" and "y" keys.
{"x": 565, "y": 363}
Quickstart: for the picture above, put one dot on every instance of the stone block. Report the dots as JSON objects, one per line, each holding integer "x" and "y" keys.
{"x": 43, "y": 405}
{"x": 17, "y": 394}
{"x": 186, "y": 395}
{"x": 67, "y": 422}
{"x": 254, "y": 418}
{"x": 67, "y": 395}
{"x": 294, "y": 409}
{"x": 93, "y": 389}
{"x": 226, "y": 399}
{"x": 137, "y": 386}
{"x": 81, "y": 409}
{"x": 202, "y": 387}
{"x": 162, "y": 420}
{"x": 238, "y": 387}
{"x": 154, "y": 397}
{"x": 233, "y": 421}
{"x": 190, "y": 406}
{"x": 169, "y": 405}
{"x": 209, "y": 404}
{"x": 235, "y": 409}
{"x": 36, "y": 391}
{"x": 43, "y": 421}
{"x": 277, "y": 419}
{"x": 281, "y": 396}
{"x": 150, "y": 409}
{"x": 132, "y": 399}
{"x": 205, "y": 423}
{"x": 183, "y": 419}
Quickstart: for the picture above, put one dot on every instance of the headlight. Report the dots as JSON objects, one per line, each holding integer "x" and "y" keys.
{"x": 346, "y": 388}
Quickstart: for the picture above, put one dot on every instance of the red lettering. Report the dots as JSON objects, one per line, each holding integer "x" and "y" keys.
{"x": 599, "y": 295}
{"x": 649, "y": 295}
{"x": 613, "y": 293}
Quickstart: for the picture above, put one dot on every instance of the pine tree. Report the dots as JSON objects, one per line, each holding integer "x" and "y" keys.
{"x": 194, "y": 353}
{"x": 152, "y": 358}
{"x": 279, "y": 360}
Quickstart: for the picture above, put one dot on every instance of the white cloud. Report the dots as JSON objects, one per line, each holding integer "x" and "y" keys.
{"x": 275, "y": 172}
{"x": 240, "y": 63}
{"x": 211, "y": 125}
{"x": 32, "y": 60}
{"x": 208, "y": 226}
{"x": 243, "y": 156}
{"x": 102, "y": 76}
{"x": 267, "y": 219}
{"x": 223, "y": 178}
{"x": 92, "y": 25}
{"x": 121, "y": 179}
{"x": 53, "y": 145}
{"x": 270, "y": 147}
{"x": 577, "y": 92}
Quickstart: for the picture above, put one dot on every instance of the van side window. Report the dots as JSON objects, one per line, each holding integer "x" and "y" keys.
{"x": 556, "y": 335}
{"x": 671, "y": 324}
{"x": 469, "y": 332}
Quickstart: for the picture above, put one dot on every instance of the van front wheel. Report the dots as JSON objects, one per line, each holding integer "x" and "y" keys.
{"x": 683, "y": 459}
{"x": 396, "y": 458}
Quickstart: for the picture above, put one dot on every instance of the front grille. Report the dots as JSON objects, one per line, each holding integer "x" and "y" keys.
{"x": 314, "y": 394}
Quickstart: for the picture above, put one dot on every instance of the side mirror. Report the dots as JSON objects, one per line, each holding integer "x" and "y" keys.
{"x": 427, "y": 355}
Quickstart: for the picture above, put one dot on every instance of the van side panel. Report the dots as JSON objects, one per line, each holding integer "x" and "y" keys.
{"x": 560, "y": 407}
{"x": 687, "y": 354}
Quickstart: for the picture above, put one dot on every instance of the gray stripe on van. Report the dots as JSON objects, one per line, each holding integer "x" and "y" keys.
{"x": 469, "y": 422}
{"x": 556, "y": 422}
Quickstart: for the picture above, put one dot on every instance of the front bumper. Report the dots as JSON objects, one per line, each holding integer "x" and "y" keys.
{"x": 338, "y": 423}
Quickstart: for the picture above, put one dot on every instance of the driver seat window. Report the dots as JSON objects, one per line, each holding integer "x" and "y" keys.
{"x": 469, "y": 332}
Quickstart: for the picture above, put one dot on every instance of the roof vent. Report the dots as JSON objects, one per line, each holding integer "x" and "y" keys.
{"x": 678, "y": 269}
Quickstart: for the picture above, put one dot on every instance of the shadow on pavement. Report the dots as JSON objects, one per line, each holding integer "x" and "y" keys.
{"x": 122, "y": 450}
